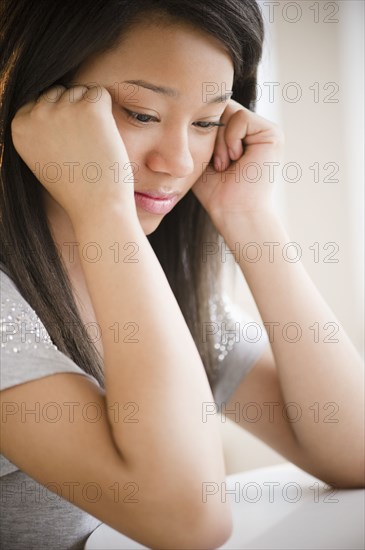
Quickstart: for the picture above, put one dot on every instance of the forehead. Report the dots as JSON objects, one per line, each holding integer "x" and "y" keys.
{"x": 176, "y": 55}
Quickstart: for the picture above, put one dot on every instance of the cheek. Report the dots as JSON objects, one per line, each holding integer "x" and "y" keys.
{"x": 132, "y": 140}
{"x": 202, "y": 151}
{"x": 135, "y": 143}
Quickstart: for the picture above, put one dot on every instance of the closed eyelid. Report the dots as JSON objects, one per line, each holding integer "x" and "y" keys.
{"x": 210, "y": 122}
{"x": 134, "y": 114}
{"x": 151, "y": 118}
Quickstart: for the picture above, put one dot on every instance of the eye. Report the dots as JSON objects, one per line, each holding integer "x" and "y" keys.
{"x": 142, "y": 118}
{"x": 207, "y": 125}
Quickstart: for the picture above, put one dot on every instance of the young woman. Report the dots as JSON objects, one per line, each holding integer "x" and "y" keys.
{"x": 126, "y": 127}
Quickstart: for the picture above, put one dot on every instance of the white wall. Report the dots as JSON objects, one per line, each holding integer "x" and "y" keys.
{"x": 310, "y": 42}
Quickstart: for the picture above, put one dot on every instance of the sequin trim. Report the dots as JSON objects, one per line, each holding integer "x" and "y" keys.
{"x": 21, "y": 329}
{"x": 223, "y": 326}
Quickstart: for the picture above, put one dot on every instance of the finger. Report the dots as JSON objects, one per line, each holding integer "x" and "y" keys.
{"x": 88, "y": 93}
{"x": 246, "y": 128}
{"x": 74, "y": 93}
{"x": 235, "y": 133}
{"x": 51, "y": 95}
{"x": 97, "y": 93}
{"x": 220, "y": 154}
{"x": 222, "y": 157}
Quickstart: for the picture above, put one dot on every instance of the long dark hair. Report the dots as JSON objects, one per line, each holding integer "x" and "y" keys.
{"x": 44, "y": 43}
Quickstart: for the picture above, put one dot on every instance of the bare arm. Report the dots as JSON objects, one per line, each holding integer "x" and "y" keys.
{"x": 170, "y": 452}
{"x": 311, "y": 373}
{"x": 161, "y": 370}
{"x": 321, "y": 379}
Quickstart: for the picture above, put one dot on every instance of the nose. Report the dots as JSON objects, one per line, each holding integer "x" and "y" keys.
{"x": 171, "y": 155}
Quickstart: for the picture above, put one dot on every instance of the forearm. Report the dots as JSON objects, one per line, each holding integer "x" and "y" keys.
{"x": 154, "y": 362}
{"x": 315, "y": 369}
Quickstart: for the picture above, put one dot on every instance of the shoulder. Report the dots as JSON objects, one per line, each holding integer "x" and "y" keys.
{"x": 26, "y": 350}
{"x": 239, "y": 341}
{"x": 19, "y": 322}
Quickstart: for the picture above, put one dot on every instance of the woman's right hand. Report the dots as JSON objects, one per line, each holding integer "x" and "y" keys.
{"x": 68, "y": 137}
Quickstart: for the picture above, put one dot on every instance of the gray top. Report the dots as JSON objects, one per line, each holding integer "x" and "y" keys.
{"x": 32, "y": 517}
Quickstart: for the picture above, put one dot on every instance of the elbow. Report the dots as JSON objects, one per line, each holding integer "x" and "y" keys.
{"x": 170, "y": 525}
{"x": 206, "y": 516}
{"x": 202, "y": 527}
{"x": 339, "y": 471}
{"x": 348, "y": 482}
{"x": 192, "y": 525}
{"x": 180, "y": 513}
{"x": 214, "y": 528}
{"x": 347, "y": 478}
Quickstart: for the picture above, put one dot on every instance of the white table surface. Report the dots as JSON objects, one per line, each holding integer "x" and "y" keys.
{"x": 279, "y": 507}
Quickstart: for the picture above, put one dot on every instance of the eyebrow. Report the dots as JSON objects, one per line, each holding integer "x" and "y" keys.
{"x": 171, "y": 92}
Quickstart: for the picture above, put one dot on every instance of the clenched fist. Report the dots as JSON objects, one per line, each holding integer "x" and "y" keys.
{"x": 69, "y": 139}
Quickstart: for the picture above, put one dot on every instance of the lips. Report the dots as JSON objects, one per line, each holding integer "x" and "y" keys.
{"x": 159, "y": 194}
{"x": 156, "y": 202}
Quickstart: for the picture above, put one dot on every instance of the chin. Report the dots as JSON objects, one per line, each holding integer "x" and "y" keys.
{"x": 150, "y": 225}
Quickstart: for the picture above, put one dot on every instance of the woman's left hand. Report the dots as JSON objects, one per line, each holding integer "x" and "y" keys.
{"x": 240, "y": 178}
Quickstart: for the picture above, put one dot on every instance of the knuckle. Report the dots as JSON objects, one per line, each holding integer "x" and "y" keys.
{"x": 16, "y": 124}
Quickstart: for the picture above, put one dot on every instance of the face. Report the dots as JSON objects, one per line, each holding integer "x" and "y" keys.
{"x": 170, "y": 85}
